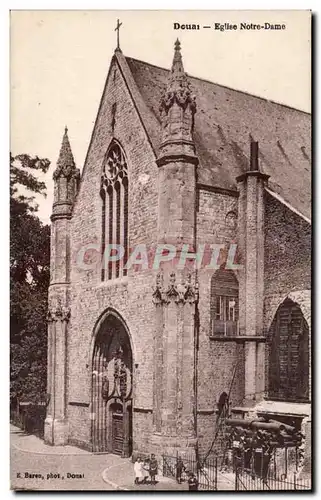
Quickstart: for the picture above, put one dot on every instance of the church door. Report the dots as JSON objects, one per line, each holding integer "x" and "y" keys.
{"x": 112, "y": 388}
{"x": 117, "y": 432}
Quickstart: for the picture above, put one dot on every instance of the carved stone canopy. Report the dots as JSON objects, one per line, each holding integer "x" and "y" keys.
{"x": 178, "y": 87}
{"x": 66, "y": 164}
{"x": 181, "y": 293}
{"x": 67, "y": 171}
{"x": 177, "y": 109}
{"x": 57, "y": 312}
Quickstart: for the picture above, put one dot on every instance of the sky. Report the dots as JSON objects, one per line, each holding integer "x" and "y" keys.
{"x": 59, "y": 62}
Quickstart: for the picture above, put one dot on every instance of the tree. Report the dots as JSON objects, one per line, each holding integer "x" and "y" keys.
{"x": 29, "y": 281}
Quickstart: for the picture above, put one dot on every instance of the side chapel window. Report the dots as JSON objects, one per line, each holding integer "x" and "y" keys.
{"x": 224, "y": 303}
{"x": 288, "y": 343}
{"x": 114, "y": 194}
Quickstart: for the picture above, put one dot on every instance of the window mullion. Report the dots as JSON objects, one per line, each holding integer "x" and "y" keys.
{"x": 121, "y": 223}
{"x": 103, "y": 230}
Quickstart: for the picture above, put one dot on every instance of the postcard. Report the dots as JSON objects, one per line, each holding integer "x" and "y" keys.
{"x": 160, "y": 240}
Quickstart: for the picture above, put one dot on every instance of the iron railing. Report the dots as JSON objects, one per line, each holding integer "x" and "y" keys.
{"x": 254, "y": 471}
{"x": 206, "y": 472}
{"x": 257, "y": 470}
{"x": 225, "y": 328}
{"x": 247, "y": 481}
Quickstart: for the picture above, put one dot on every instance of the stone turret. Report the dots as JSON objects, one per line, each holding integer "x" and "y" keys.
{"x": 66, "y": 179}
{"x": 177, "y": 160}
{"x": 177, "y": 107}
{"x": 176, "y": 293}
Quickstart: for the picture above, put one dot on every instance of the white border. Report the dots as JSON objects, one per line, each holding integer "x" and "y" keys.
{"x": 4, "y": 198}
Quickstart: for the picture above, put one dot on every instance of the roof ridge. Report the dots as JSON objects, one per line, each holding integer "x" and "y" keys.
{"x": 287, "y": 204}
{"x": 144, "y": 113}
{"x": 223, "y": 86}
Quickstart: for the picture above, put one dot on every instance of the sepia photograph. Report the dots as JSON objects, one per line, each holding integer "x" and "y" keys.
{"x": 160, "y": 250}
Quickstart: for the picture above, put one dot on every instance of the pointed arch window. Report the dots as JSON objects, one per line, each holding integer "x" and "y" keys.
{"x": 114, "y": 195}
{"x": 224, "y": 303}
{"x": 288, "y": 348}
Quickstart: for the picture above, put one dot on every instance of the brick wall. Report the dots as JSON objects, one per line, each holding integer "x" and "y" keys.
{"x": 212, "y": 223}
{"x": 143, "y": 422}
{"x": 287, "y": 261}
{"x": 79, "y": 426}
{"x": 216, "y": 359}
{"x": 89, "y": 297}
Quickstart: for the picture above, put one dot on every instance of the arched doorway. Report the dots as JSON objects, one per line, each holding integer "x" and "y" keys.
{"x": 112, "y": 364}
{"x": 288, "y": 342}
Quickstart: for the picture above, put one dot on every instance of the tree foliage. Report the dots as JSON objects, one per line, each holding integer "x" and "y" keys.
{"x": 29, "y": 280}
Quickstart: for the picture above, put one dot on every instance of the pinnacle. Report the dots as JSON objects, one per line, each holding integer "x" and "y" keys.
{"x": 177, "y": 66}
{"x": 65, "y": 156}
{"x": 178, "y": 96}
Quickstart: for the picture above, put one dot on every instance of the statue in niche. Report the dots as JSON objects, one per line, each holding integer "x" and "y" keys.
{"x": 122, "y": 378}
{"x": 105, "y": 382}
{"x": 116, "y": 377}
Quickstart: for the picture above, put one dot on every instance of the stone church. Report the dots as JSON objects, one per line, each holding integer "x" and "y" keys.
{"x": 180, "y": 266}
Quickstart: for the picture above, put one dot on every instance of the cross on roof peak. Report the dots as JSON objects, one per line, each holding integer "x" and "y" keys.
{"x": 117, "y": 29}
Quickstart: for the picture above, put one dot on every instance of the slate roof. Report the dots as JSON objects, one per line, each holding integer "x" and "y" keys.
{"x": 225, "y": 121}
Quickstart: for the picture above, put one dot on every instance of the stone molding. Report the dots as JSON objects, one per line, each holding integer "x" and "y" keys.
{"x": 58, "y": 313}
{"x": 67, "y": 171}
{"x": 182, "y": 96}
{"x": 178, "y": 87}
{"x": 176, "y": 158}
{"x": 182, "y": 293}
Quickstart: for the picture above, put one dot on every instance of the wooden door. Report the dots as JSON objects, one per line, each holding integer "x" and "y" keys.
{"x": 289, "y": 354}
{"x": 118, "y": 433}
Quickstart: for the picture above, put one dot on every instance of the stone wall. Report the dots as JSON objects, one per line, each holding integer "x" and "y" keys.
{"x": 287, "y": 262}
{"x": 216, "y": 359}
{"x": 287, "y": 258}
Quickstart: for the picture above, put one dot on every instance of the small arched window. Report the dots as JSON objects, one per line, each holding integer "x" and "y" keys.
{"x": 224, "y": 303}
{"x": 114, "y": 195}
{"x": 223, "y": 405}
{"x": 231, "y": 220}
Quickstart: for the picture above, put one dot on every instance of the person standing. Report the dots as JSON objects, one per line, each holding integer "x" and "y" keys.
{"x": 192, "y": 482}
{"x": 153, "y": 468}
{"x": 179, "y": 470}
{"x": 138, "y": 470}
{"x": 145, "y": 470}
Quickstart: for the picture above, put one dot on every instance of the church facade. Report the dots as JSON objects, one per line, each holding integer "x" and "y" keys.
{"x": 180, "y": 266}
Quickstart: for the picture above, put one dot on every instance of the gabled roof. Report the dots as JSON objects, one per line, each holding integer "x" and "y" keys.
{"x": 225, "y": 122}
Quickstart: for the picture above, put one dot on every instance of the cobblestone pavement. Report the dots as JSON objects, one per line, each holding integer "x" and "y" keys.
{"x": 48, "y": 466}
{"x": 37, "y": 466}
{"x": 123, "y": 476}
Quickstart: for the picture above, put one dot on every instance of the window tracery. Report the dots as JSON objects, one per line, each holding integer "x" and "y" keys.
{"x": 114, "y": 194}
